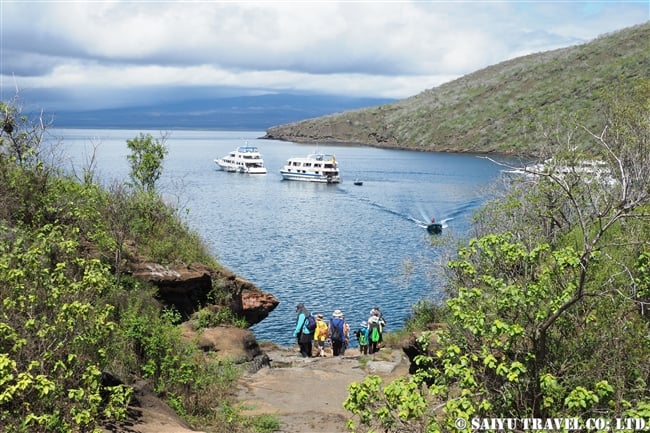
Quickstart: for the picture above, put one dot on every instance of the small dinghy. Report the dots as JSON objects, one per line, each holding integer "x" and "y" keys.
{"x": 434, "y": 228}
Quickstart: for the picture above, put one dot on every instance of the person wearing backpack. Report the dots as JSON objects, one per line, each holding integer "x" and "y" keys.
{"x": 346, "y": 335}
{"x": 337, "y": 332}
{"x": 362, "y": 338}
{"x": 321, "y": 334}
{"x": 302, "y": 333}
{"x": 382, "y": 322}
{"x": 374, "y": 333}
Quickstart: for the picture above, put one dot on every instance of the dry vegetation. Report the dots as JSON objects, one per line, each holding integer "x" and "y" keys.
{"x": 488, "y": 110}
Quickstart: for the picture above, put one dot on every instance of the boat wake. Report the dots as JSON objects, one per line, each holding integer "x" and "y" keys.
{"x": 425, "y": 224}
{"x": 423, "y": 220}
{"x": 390, "y": 211}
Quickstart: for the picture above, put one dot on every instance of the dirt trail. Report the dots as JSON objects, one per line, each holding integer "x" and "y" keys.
{"x": 307, "y": 394}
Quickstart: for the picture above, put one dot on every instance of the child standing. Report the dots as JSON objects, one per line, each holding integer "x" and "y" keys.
{"x": 362, "y": 337}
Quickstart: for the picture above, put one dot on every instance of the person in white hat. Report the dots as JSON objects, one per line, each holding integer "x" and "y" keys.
{"x": 337, "y": 332}
{"x": 362, "y": 337}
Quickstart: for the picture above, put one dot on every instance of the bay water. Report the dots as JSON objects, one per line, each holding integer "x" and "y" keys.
{"x": 340, "y": 246}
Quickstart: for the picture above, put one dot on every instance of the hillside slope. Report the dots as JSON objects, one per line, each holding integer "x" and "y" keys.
{"x": 483, "y": 111}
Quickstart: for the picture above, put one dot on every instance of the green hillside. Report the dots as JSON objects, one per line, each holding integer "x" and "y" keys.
{"x": 486, "y": 111}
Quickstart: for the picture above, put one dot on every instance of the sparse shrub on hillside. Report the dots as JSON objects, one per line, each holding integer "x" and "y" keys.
{"x": 20, "y": 135}
{"x": 146, "y": 160}
{"x": 424, "y": 314}
{"x": 483, "y": 111}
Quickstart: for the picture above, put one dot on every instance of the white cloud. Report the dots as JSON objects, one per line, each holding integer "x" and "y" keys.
{"x": 384, "y": 49}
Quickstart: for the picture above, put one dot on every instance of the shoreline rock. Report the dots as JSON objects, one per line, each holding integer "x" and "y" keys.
{"x": 186, "y": 288}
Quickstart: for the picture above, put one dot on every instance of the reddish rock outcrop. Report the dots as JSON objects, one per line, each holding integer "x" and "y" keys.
{"x": 186, "y": 288}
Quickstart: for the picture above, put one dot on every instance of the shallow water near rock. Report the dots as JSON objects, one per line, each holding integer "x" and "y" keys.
{"x": 330, "y": 247}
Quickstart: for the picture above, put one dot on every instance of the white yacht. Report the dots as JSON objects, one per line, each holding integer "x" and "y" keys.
{"x": 316, "y": 167}
{"x": 588, "y": 170}
{"x": 244, "y": 159}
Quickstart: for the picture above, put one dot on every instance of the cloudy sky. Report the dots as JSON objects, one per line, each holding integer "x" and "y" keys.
{"x": 96, "y": 54}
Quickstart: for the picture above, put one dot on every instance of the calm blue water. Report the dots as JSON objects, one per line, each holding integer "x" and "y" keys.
{"x": 329, "y": 246}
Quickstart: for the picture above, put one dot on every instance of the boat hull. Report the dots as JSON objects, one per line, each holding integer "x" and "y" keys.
{"x": 225, "y": 167}
{"x": 434, "y": 228}
{"x": 232, "y": 169}
{"x": 255, "y": 170}
{"x": 316, "y": 167}
{"x": 309, "y": 177}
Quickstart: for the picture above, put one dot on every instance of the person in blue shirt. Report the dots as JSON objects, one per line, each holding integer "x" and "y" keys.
{"x": 337, "y": 332}
{"x": 302, "y": 334}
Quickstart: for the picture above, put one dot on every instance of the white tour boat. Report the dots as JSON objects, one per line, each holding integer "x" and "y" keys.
{"x": 316, "y": 167}
{"x": 588, "y": 170}
{"x": 245, "y": 159}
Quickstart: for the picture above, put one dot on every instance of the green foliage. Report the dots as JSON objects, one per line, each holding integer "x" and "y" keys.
{"x": 54, "y": 325}
{"x": 70, "y": 317}
{"x": 146, "y": 160}
{"x": 423, "y": 314}
{"x": 265, "y": 423}
{"x": 210, "y": 318}
{"x": 558, "y": 275}
{"x": 642, "y": 280}
{"x": 394, "y": 407}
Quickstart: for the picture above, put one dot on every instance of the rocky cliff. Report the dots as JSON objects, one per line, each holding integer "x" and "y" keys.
{"x": 186, "y": 288}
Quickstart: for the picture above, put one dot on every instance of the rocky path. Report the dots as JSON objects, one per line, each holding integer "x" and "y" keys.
{"x": 307, "y": 394}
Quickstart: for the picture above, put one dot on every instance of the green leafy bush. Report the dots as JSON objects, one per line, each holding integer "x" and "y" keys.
{"x": 54, "y": 326}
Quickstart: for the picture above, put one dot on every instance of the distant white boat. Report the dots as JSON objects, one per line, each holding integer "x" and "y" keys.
{"x": 589, "y": 170}
{"x": 244, "y": 159}
{"x": 316, "y": 167}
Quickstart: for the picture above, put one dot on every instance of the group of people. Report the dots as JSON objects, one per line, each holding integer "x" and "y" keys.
{"x": 337, "y": 332}
{"x": 370, "y": 333}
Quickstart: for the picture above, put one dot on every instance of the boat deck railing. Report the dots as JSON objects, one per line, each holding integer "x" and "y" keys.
{"x": 247, "y": 149}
